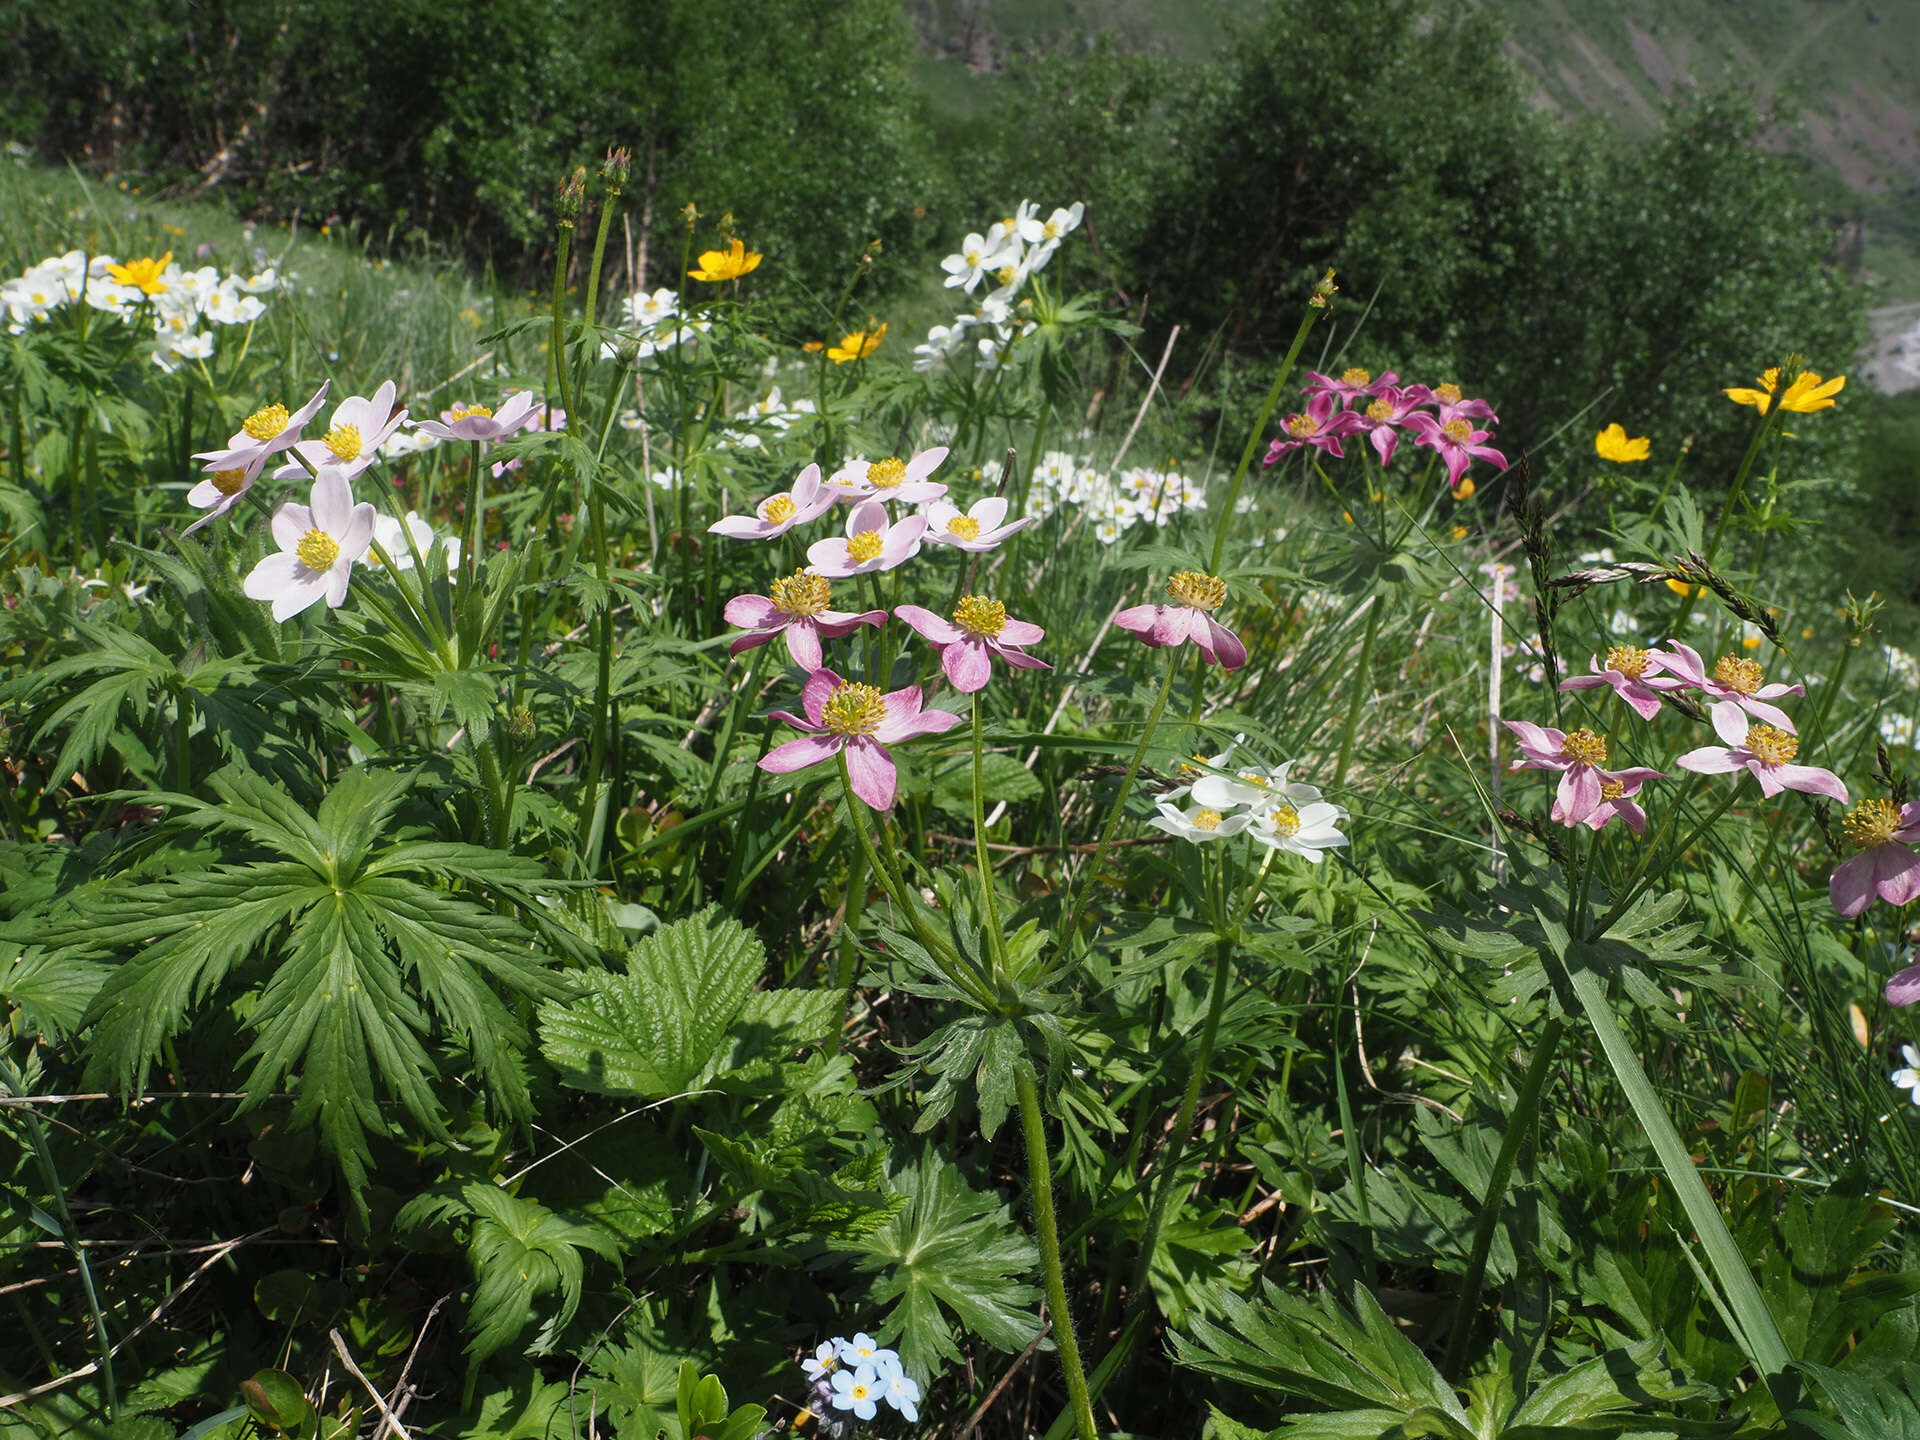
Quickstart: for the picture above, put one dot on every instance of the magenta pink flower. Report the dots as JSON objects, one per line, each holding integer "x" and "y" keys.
{"x": 1585, "y": 782}
{"x": 1353, "y": 385}
{"x": 1765, "y": 750}
{"x": 539, "y": 418}
{"x": 798, "y": 608}
{"x": 1449, "y": 406}
{"x": 872, "y": 544}
{"x": 1626, "y": 671}
{"x": 1386, "y": 415}
{"x": 222, "y": 490}
{"x": 1320, "y": 425}
{"x": 479, "y": 422}
{"x": 979, "y": 630}
{"x": 1617, "y": 789}
{"x": 858, "y": 720}
{"x": 1735, "y": 684}
{"x": 1904, "y": 988}
{"x": 1456, "y": 442}
{"x": 777, "y": 514}
{"x": 890, "y": 479}
{"x": 1885, "y": 866}
{"x": 1192, "y": 619}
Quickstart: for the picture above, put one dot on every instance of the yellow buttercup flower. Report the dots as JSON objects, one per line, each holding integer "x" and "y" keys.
{"x": 730, "y": 264}
{"x": 1464, "y": 490}
{"x": 1613, "y": 444}
{"x": 1808, "y": 391}
{"x": 144, "y": 274}
{"x": 857, "y": 346}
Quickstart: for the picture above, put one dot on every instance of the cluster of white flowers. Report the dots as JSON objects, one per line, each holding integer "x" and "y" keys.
{"x": 653, "y": 324}
{"x": 182, "y": 305}
{"x": 1114, "y": 504}
{"x": 1227, "y": 799}
{"x": 1011, "y": 252}
{"x": 1901, "y": 666}
{"x": 856, "y": 1375}
{"x": 1897, "y": 729}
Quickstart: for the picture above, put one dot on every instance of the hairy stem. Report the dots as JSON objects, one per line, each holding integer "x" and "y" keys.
{"x": 1040, "y": 1184}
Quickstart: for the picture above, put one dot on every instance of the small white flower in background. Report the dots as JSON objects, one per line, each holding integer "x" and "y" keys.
{"x": 1897, "y": 730}
{"x": 389, "y": 537}
{"x": 978, "y": 257}
{"x": 318, "y": 544}
{"x": 826, "y": 1359}
{"x": 1900, "y": 665}
{"x": 1908, "y": 1077}
{"x": 863, "y": 1349}
{"x": 261, "y": 283}
{"x": 646, "y": 310}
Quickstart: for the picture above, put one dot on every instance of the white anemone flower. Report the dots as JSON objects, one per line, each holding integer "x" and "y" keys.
{"x": 1306, "y": 831}
{"x": 646, "y": 310}
{"x": 318, "y": 544}
{"x": 978, "y": 257}
{"x": 978, "y": 528}
{"x": 1909, "y": 1078}
{"x": 1199, "y": 824}
{"x": 361, "y": 425}
{"x": 390, "y": 538}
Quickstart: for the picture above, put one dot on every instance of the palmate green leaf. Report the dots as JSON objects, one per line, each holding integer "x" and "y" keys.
{"x": 650, "y": 1032}
{"x": 49, "y": 994}
{"x": 953, "y": 1251}
{"x": 521, "y": 1250}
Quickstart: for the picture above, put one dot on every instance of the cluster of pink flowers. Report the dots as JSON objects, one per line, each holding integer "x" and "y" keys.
{"x": 1438, "y": 417}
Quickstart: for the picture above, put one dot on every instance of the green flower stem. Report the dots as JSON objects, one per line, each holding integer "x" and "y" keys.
{"x": 608, "y": 204}
{"x": 989, "y": 900}
{"x": 1759, "y": 1335}
{"x": 1169, "y": 1164}
{"x": 563, "y": 252}
{"x": 732, "y": 723}
{"x": 1253, "y": 436}
{"x": 590, "y": 830}
{"x": 494, "y": 793}
{"x": 16, "y": 1085}
{"x": 1120, "y": 800}
{"x": 1361, "y": 680}
{"x": 1526, "y": 1108}
{"x": 1040, "y": 1183}
{"x": 1643, "y": 875}
{"x": 1726, "y": 511}
{"x": 470, "y": 542}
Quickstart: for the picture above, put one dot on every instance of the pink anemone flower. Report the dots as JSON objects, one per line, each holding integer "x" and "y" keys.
{"x": 1192, "y": 619}
{"x": 1904, "y": 988}
{"x": 1734, "y": 686}
{"x": 777, "y": 514}
{"x": 978, "y": 528}
{"x": 1456, "y": 442}
{"x": 1884, "y": 867}
{"x": 1617, "y": 789}
{"x": 222, "y": 489}
{"x": 263, "y": 434}
{"x": 1581, "y": 760}
{"x": 1319, "y": 425}
{"x": 871, "y": 545}
{"x": 890, "y": 479}
{"x": 1765, "y": 750}
{"x": 1353, "y": 385}
{"x": 479, "y": 422}
{"x": 980, "y": 629}
{"x": 1384, "y": 416}
{"x": 361, "y": 424}
{"x": 857, "y": 721}
{"x": 798, "y": 609}
{"x": 1626, "y": 671}
{"x": 1449, "y": 405}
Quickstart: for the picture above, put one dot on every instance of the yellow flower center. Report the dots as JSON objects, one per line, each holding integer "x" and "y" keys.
{"x": 1873, "y": 823}
{"x": 1771, "y": 746}
{"x": 978, "y": 615}
{"x": 1202, "y": 592}
{"x": 1613, "y": 789}
{"x": 1583, "y": 747}
{"x": 1254, "y": 777}
{"x": 886, "y": 474}
{"x": 865, "y": 546}
{"x": 1458, "y": 431}
{"x": 1006, "y": 274}
{"x": 344, "y": 441}
{"x": 778, "y": 510}
{"x": 1195, "y": 770}
{"x": 1286, "y": 821}
{"x": 1356, "y": 377}
{"x": 1379, "y": 411}
{"x": 1448, "y": 392}
{"x": 801, "y": 593}
{"x": 1301, "y": 426}
{"x": 854, "y": 709}
{"x": 1738, "y": 673}
{"x": 1206, "y": 820}
{"x": 1628, "y": 660}
{"x": 229, "y": 482}
{"x": 468, "y": 412}
{"x": 973, "y": 259}
{"x": 965, "y": 526}
{"x": 1050, "y": 230}
{"x": 267, "y": 422}
{"x": 317, "y": 550}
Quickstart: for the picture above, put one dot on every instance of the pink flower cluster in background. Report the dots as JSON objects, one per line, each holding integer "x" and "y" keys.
{"x": 1439, "y": 418}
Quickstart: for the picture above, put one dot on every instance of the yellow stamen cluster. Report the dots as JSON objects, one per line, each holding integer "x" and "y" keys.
{"x": 854, "y": 709}
{"x": 1771, "y": 746}
{"x": 1255, "y": 778}
{"x": 777, "y": 510}
{"x": 864, "y": 547}
{"x": 801, "y": 593}
{"x": 1356, "y": 377}
{"x": 1458, "y": 431}
{"x": 1379, "y": 412}
{"x": 344, "y": 441}
{"x": 1873, "y": 823}
{"x": 1301, "y": 426}
{"x": 978, "y": 615}
{"x": 1736, "y": 672}
{"x": 1286, "y": 822}
{"x": 1195, "y": 770}
{"x": 1613, "y": 789}
{"x": 887, "y": 473}
{"x": 468, "y": 412}
{"x": 1448, "y": 392}
{"x": 1583, "y": 747}
{"x": 1206, "y": 820}
{"x": 1628, "y": 660}
{"x": 318, "y": 550}
{"x": 1006, "y": 274}
{"x": 266, "y": 422}
{"x": 965, "y": 526}
{"x": 229, "y": 482}
{"x": 1202, "y": 592}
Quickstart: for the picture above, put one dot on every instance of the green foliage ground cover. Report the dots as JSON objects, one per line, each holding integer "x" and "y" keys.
{"x": 431, "y": 1002}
